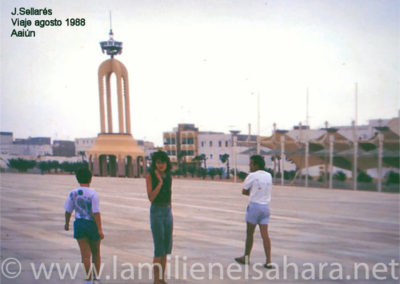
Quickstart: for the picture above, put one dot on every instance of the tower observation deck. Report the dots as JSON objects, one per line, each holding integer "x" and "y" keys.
{"x": 111, "y": 47}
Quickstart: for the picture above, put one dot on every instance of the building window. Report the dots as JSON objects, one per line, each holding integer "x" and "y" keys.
{"x": 202, "y": 143}
{"x": 187, "y": 152}
{"x": 211, "y": 156}
{"x": 187, "y": 141}
{"x": 219, "y": 144}
{"x": 210, "y": 143}
{"x": 171, "y": 153}
{"x": 226, "y": 143}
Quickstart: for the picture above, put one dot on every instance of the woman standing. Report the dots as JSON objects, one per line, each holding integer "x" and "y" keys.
{"x": 158, "y": 183}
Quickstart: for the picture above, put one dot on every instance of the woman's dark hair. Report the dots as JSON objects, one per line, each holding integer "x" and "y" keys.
{"x": 258, "y": 161}
{"x": 83, "y": 175}
{"x": 160, "y": 156}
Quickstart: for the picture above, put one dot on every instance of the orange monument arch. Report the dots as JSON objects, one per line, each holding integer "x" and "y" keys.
{"x": 115, "y": 153}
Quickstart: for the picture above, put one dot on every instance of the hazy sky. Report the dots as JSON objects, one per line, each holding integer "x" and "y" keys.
{"x": 200, "y": 61}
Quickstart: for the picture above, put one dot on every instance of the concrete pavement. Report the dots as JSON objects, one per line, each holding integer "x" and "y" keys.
{"x": 308, "y": 228}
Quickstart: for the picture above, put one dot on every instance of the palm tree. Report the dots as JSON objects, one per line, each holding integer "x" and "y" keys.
{"x": 82, "y": 154}
{"x": 179, "y": 156}
{"x": 204, "y": 158}
{"x": 197, "y": 159}
{"x": 201, "y": 158}
{"x": 225, "y": 159}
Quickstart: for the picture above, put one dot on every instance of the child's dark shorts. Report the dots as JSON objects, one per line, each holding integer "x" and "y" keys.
{"x": 86, "y": 229}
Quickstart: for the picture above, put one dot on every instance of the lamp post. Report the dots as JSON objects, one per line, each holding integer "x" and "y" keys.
{"x": 282, "y": 159}
{"x": 331, "y": 141}
{"x": 380, "y": 154}
{"x": 258, "y": 124}
{"x": 304, "y": 137}
{"x": 355, "y": 148}
{"x": 234, "y": 138}
{"x": 306, "y": 162}
{"x": 300, "y": 140}
{"x": 274, "y": 130}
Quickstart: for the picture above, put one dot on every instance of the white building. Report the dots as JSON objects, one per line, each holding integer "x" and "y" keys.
{"x": 147, "y": 147}
{"x": 27, "y": 150}
{"x": 364, "y": 132}
{"x": 6, "y": 138}
{"x": 305, "y": 133}
{"x": 83, "y": 144}
{"x": 32, "y": 146}
{"x": 214, "y": 144}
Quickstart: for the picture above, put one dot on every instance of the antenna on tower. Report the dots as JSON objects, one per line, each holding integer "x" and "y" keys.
{"x": 111, "y": 32}
{"x": 110, "y": 21}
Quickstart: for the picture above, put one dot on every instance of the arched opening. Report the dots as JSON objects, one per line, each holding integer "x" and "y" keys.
{"x": 128, "y": 167}
{"x": 103, "y": 165}
{"x": 90, "y": 164}
{"x": 113, "y": 82}
{"x": 108, "y": 108}
{"x": 112, "y": 166}
{"x": 108, "y": 165}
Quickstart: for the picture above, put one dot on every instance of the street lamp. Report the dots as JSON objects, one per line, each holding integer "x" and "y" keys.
{"x": 355, "y": 148}
{"x": 234, "y": 138}
{"x": 258, "y": 123}
{"x": 283, "y": 157}
{"x": 331, "y": 145}
{"x": 380, "y": 155}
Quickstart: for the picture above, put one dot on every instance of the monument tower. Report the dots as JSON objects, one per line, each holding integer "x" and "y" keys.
{"x": 115, "y": 153}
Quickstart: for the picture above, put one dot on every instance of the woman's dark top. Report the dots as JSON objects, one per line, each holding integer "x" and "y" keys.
{"x": 164, "y": 196}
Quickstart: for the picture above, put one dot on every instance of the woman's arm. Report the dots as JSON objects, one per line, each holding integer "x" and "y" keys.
{"x": 152, "y": 194}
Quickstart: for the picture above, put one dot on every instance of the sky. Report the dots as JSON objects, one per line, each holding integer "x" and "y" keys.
{"x": 203, "y": 62}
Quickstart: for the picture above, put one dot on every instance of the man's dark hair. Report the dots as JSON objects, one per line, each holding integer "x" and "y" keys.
{"x": 160, "y": 156}
{"x": 83, "y": 175}
{"x": 258, "y": 161}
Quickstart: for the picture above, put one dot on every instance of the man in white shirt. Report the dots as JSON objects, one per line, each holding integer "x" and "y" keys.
{"x": 257, "y": 186}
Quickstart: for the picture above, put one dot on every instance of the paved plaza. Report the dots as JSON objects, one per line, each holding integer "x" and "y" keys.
{"x": 314, "y": 226}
